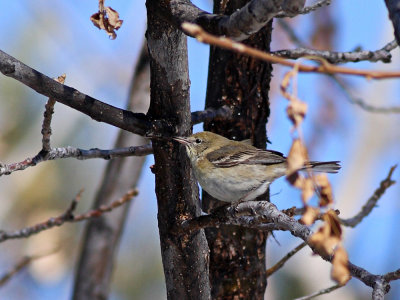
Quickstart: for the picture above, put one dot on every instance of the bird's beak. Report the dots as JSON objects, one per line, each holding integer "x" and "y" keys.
{"x": 181, "y": 140}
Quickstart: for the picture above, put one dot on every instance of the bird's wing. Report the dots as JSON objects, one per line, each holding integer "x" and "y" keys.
{"x": 243, "y": 155}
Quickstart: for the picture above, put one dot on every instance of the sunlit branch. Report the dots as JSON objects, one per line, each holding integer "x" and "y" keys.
{"x": 324, "y": 67}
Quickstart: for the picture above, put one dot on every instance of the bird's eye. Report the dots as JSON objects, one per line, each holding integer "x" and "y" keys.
{"x": 198, "y": 141}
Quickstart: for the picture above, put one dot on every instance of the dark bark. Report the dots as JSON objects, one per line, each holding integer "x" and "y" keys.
{"x": 185, "y": 257}
{"x": 97, "y": 110}
{"x": 237, "y": 255}
{"x": 102, "y": 235}
{"x": 393, "y": 7}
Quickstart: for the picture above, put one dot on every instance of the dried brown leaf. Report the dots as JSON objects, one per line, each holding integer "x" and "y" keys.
{"x": 310, "y": 215}
{"x": 297, "y": 157}
{"x": 96, "y": 20}
{"x": 113, "y": 18}
{"x": 285, "y": 84}
{"x": 108, "y": 20}
{"x": 340, "y": 269}
{"x": 296, "y": 111}
{"x": 323, "y": 241}
{"x": 328, "y": 236}
{"x": 61, "y": 78}
{"x": 332, "y": 219}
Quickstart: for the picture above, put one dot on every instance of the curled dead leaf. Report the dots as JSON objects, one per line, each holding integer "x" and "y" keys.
{"x": 328, "y": 236}
{"x": 296, "y": 111}
{"x": 340, "y": 269}
{"x": 113, "y": 18}
{"x": 108, "y": 20}
{"x": 310, "y": 215}
{"x": 297, "y": 157}
{"x": 323, "y": 241}
{"x": 332, "y": 219}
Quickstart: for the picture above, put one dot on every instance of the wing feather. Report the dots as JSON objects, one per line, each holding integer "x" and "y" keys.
{"x": 243, "y": 155}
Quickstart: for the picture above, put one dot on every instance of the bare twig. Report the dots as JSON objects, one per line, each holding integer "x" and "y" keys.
{"x": 67, "y": 217}
{"x": 47, "y": 116}
{"x": 321, "y": 292}
{"x": 371, "y": 203}
{"x": 71, "y": 152}
{"x": 306, "y": 9}
{"x": 209, "y": 114}
{"x": 24, "y": 262}
{"x": 392, "y": 275}
{"x": 361, "y": 103}
{"x": 284, "y": 259}
{"x": 295, "y": 211}
{"x": 324, "y": 67}
{"x": 335, "y": 57}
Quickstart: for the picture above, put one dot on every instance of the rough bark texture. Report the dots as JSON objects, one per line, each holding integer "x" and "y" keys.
{"x": 185, "y": 257}
{"x": 102, "y": 235}
{"x": 237, "y": 255}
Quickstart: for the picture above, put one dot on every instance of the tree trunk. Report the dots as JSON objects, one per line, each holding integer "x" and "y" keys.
{"x": 185, "y": 257}
{"x": 102, "y": 235}
{"x": 237, "y": 255}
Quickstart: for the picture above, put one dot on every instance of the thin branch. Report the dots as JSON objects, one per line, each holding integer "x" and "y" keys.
{"x": 284, "y": 259}
{"x": 47, "y": 116}
{"x": 321, "y": 292}
{"x": 392, "y": 275}
{"x": 72, "y": 152}
{"x": 295, "y": 211}
{"x": 307, "y": 9}
{"x": 324, "y": 67}
{"x": 22, "y": 264}
{"x": 209, "y": 114}
{"x": 67, "y": 217}
{"x": 371, "y": 203}
{"x": 361, "y": 103}
{"x": 134, "y": 122}
{"x": 335, "y": 57}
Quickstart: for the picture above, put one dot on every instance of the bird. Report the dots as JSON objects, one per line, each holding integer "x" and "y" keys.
{"x": 234, "y": 171}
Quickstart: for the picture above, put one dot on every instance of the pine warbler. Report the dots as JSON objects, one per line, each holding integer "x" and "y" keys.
{"x": 234, "y": 171}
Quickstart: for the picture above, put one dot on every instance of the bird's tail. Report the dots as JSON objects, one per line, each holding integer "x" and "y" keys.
{"x": 326, "y": 166}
